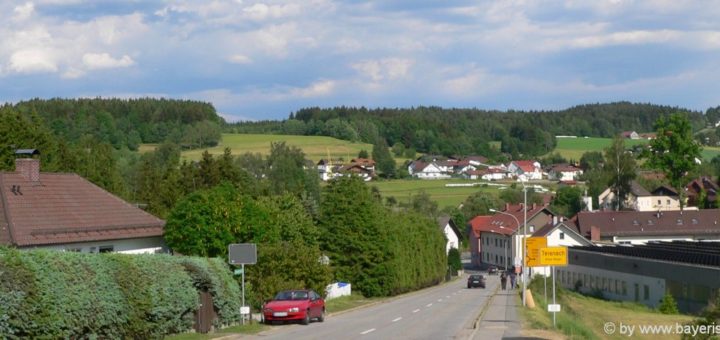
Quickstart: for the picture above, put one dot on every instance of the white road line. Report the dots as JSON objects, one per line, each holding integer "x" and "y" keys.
{"x": 415, "y": 311}
{"x": 368, "y": 331}
{"x": 428, "y": 305}
{"x": 397, "y": 319}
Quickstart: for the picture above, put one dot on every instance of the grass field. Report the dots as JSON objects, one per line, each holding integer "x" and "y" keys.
{"x": 584, "y": 317}
{"x": 314, "y": 147}
{"x": 403, "y": 189}
{"x": 574, "y": 148}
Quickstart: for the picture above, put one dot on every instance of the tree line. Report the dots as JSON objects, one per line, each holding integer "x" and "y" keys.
{"x": 455, "y": 131}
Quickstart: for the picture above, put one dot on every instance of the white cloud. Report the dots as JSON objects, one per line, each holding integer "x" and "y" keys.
{"x": 32, "y": 61}
{"x": 317, "y": 89}
{"x": 95, "y": 61}
{"x": 260, "y": 11}
{"x": 240, "y": 59}
{"x": 73, "y": 73}
{"x": 24, "y": 11}
{"x": 384, "y": 69}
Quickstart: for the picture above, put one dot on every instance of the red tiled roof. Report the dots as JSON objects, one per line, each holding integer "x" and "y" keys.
{"x": 419, "y": 166}
{"x": 502, "y": 223}
{"x": 66, "y": 208}
{"x": 668, "y": 223}
{"x": 363, "y": 161}
{"x": 526, "y": 166}
{"x": 564, "y": 168}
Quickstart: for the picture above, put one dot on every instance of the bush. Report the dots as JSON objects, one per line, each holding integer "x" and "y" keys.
{"x": 51, "y": 294}
{"x": 454, "y": 260}
{"x": 668, "y": 305}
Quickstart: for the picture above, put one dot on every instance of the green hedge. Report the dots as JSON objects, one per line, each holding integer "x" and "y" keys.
{"x": 52, "y": 294}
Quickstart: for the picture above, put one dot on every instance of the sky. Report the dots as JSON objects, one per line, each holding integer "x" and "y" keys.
{"x": 256, "y": 60}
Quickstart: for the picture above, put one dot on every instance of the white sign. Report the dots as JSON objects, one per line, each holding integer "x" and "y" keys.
{"x": 244, "y": 310}
{"x": 553, "y": 308}
{"x": 518, "y": 261}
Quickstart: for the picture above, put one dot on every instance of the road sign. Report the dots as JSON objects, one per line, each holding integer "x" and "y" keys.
{"x": 244, "y": 310}
{"x": 239, "y": 271}
{"x": 533, "y": 245}
{"x": 554, "y": 256}
{"x": 242, "y": 253}
{"x": 554, "y": 308}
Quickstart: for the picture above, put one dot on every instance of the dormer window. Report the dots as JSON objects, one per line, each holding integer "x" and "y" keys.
{"x": 679, "y": 221}
{"x": 635, "y": 222}
{"x": 650, "y": 222}
{"x": 694, "y": 221}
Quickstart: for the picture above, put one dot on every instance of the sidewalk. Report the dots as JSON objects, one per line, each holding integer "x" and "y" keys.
{"x": 501, "y": 319}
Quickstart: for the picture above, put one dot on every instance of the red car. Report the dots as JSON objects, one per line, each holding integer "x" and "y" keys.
{"x": 302, "y": 305}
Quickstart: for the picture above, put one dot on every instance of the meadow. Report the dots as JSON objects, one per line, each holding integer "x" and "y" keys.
{"x": 574, "y": 148}
{"x": 403, "y": 189}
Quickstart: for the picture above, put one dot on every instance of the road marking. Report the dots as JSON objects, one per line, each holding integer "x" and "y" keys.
{"x": 415, "y": 311}
{"x": 439, "y": 300}
{"x": 368, "y": 331}
{"x": 428, "y": 305}
{"x": 397, "y": 319}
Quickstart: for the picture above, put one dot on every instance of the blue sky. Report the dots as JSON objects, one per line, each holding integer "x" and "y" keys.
{"x": 265, "y": 59}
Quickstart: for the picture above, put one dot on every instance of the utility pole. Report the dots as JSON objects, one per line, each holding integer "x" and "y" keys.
{"x": 524, "y": 252}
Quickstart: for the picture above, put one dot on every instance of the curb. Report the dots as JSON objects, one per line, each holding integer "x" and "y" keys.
{"x": 478, "y": 319}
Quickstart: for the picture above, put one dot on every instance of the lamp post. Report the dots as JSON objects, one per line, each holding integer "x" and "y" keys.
{"x": 524, "y": 259}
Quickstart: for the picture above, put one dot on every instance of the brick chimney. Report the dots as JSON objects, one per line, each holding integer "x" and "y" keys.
{"x": 28, "y": 168}
{"x": 594, "y": 233}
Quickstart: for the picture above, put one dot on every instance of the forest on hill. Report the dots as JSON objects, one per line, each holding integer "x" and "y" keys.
{"x": 453, "y": 131}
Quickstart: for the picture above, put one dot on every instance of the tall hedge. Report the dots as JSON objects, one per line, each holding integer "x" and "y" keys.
{"x": 52, "y": 294}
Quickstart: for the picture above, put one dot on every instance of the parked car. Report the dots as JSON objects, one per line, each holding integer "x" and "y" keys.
{"x": 295, "y": 305}
{"x": 476, "y": 280}
{"x": 492, "y": 270}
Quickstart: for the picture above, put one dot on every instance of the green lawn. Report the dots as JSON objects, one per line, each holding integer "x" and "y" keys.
{"x": 574, "y": 148}
{"x": 314, "y": 147}
{"x": 402, "y": 189}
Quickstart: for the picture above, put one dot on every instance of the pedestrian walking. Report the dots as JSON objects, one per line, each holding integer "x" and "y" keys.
{"x": 503, "y": 280}
{"x": 512, "y": 280}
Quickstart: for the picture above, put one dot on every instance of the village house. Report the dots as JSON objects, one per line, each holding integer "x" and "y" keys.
{"x": 525, "y": 170}
{"x": 64, "y": 211}
{"x": 423, "y": 170}
{"x": 564, "y": 172}
{"x": 362, "y": 167}
{"x": 451, "y": 232}
{"x": 702, "y": 189}
{"x": 630, "y": 135}
{"x": 663, "y": 198}
{"x": 496, "y": 239}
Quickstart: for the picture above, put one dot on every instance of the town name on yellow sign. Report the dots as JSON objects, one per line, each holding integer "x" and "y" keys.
{"x": 554, "y": 256}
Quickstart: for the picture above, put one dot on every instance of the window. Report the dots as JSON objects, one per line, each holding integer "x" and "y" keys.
{"x": 624, "y": 288}
{"x": 74, "y": 250}
{"x": 659, "y": 202}
{"x": 617, "y": 287}
{"x": 679, "y": 221}
{"x": 646, "y": 292}
{"x": 106, "y": 249}
{"x": 668, "y": 202}
{"x": 562, "y": 235}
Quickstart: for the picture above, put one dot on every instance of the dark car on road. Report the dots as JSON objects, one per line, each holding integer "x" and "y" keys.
{"x": 492, "y": 270}
{"x": 476, "y": 280}
{"x": 295, "y": 305}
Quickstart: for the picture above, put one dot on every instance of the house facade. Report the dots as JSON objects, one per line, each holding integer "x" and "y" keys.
{"x": 689, "y": 271}
{"x": 525, "y": 170}
{"x": 662, "y": 198}
{"x": 497, "y": 239}
{"x": 451, "y": 232}
{"x": 559, "y": 234}
{"x": 702, "y": 192}
{"x": 641, "y": 227}
{"x": 424, "y": 170}
{"x": 564, "y": 172}
{"x": 66, "y": 212}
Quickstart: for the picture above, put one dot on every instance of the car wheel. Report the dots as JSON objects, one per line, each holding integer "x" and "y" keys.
{"x": 322, "y": 315}
{"x": 306, "y": 320}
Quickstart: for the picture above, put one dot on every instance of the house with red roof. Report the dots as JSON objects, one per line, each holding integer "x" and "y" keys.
{"x": 564, "y": 172}
{"x": 525, "y": 170}
{"x": 496, "y": 239}
{"x": 427, "y": 170}
{"x": 64, "y": 211}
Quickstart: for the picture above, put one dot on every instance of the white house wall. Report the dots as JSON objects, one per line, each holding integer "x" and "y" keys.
{"x": 452, "y": 239}
{"x": 128, "y": 246}
{"x": 611, "y": 284}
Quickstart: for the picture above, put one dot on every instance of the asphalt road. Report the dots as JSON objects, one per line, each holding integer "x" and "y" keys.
{"x": 444, "y": 312}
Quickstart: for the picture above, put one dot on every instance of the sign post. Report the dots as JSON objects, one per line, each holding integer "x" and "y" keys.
{"x": 554, "y": 256}
{"x": 242, "y": 254}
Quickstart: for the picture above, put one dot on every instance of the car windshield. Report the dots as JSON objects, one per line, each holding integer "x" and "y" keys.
{"x": 475, "y": 277}
{"x": 292, "y": 295}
